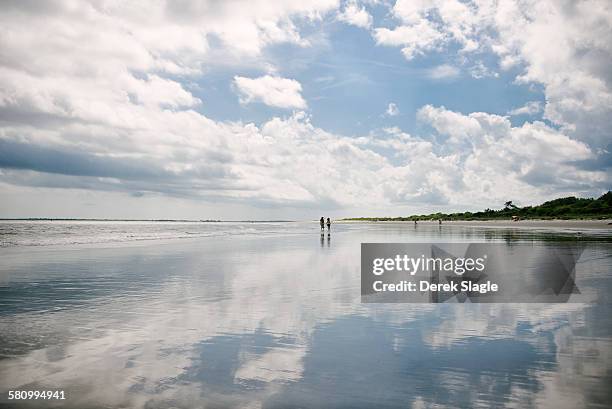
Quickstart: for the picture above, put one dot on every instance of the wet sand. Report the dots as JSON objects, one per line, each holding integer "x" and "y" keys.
{"x": 272, "y": 318}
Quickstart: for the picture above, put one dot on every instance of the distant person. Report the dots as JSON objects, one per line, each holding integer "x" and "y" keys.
{"x": 322, "y": 222}
{"x": 328, "y": 224}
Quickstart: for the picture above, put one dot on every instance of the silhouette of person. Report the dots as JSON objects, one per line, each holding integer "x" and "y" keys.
{"x": 328, "y": 224}
{"x": 322, "y": 222}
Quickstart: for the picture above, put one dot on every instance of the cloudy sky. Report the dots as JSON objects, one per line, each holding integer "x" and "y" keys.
{"x": 295, "y": 109}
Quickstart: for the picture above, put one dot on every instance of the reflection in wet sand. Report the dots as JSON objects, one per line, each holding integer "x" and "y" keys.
{"x": 276, "y": 321}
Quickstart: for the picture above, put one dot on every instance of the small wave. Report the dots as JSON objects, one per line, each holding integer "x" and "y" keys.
{"x": 81, "y": 233}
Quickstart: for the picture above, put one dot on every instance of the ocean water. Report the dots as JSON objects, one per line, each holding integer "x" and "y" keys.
{"x": 268, "y": 315}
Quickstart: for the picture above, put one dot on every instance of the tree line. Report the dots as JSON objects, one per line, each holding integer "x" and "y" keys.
{"x": 563, "y": 208}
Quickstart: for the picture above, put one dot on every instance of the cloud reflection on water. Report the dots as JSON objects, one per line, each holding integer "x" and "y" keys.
{"x": 276, "y": 322}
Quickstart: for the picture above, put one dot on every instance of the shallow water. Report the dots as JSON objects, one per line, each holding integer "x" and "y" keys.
{"x": 269, "y": 315}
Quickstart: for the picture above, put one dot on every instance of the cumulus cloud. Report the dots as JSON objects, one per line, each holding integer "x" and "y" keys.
{"x": 564, "y": 46}
{"x": 504, "y": 160}
{"x": 414, "y": 39}
{"x": 443, "y": 71}
{"x": 100, "y": 99}
{"x": 355, "y": 15}
{"x": 480, "y": 70}
{"x": 530, "y": 108}
{"x": 392, "y": 109}
{"x": 426, "y": 25}
{"x": 87, "y": 37}
{"x": 273, "y": 91}
{"x": 85, "y": 62}
{"x": 284, "y": 161}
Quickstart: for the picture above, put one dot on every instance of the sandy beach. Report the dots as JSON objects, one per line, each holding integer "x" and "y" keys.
{"x": 552, "y": 224}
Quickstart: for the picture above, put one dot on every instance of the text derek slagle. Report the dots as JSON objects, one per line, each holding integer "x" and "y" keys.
{"x": 427, "y": 286}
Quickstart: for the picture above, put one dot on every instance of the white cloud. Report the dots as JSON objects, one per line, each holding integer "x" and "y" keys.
{"x": 355, "y": 15}
{"x": 392, "y": 109}
{"x": 476, "y": 160}
{"x": 414, "y": 39}
{"x": 86, "y": 38}
{"x": 565, "y": 46}
{"x": 480, "y": 70}
{"x": 273, "y": 91}
{"x": 530, "y": 108}
{"x": 501, "y": 160}
{"x": 101, "y": 96}
{"x": 443, "y": 71}
{"x": 428, "y": 25}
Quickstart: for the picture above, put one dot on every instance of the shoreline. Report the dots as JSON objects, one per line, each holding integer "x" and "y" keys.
{"x": 582, "y": 224}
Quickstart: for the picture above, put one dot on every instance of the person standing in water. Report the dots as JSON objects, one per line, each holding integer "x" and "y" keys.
{"x": 322, "y": 222}
{"x": 328, "y": 224}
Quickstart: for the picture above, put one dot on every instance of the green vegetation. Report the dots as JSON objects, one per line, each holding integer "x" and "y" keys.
{"x": 563, "y": 208}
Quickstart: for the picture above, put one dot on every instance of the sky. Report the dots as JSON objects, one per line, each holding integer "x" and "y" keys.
{"x": 298, "y": 109}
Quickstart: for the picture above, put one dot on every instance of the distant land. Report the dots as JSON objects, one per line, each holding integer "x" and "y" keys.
{"x": 51, "y": 219}
{"x": 564, "y": 208}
